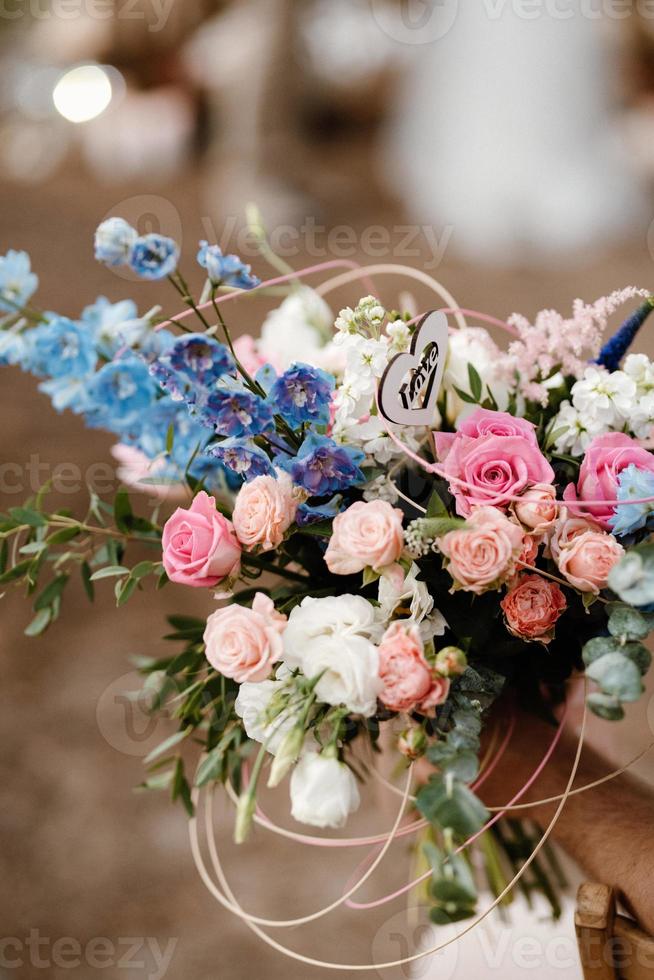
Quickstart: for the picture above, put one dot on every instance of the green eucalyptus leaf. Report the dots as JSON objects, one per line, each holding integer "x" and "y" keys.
{"x": 625, "y": 621}
{"x": 167, "y": 744}
{"x": 617, "y": 675}
{"x": 445, "y": 802}
{"x": 25, "y": 515}
{"x": 85, "y": 571}
{"x": 598, "y": 647}
{"x": 605, "y": 706}
{"x": 65, "y": 534}
{"x": 111, "y": 571}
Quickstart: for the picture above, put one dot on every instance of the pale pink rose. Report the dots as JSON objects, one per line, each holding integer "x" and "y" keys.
{"x": 483, "y": 554}
{"x": 264, "y": 510}
{"x": 532, "y": 608}
{"x": 587, "y": 560}
{"x": 410, "y": 684}
{"x": 135, "y": 468}
{"x": 536, "y": 509}
{"x": 199, "y": 544}
{"x": 491, "y": 459}
{"x": 244, "y": 643}
{"x": 529, "y": 552}
{"x": 565, "y": 530}
{"x": 365, "y": 534}
{"x": 605, "y": 459}
{"x": 245, "y": 348}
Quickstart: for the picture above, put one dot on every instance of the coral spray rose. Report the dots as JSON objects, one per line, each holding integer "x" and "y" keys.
{"x": 532, "y": 608}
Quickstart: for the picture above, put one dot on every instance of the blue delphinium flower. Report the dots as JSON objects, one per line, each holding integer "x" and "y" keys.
{"x": 114, "y": 325}
{"x": 17, "y": 281}
{"x": 225, "y": 270}
{"x": 61, "y": 348}
{"x": 13, "y": 347}
{"x": 308, "y": 514}
{"x": 154, "y": 256}
{"x": 303, "y": 394}
{"x": 633, "y": 484}
{"x": 243, "y": 457}
{"x": 322, "y": 466}
{"x": 234, "y": 413}
{"x": 114, "y": 241}
{"x": 119, "y": 392}
{"x": 201, "y": 359}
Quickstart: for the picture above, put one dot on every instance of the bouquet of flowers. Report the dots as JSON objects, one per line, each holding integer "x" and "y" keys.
{"x": 403, "y": 531}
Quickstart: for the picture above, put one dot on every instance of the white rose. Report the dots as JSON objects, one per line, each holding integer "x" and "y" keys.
{"x": 297, "y": 330}
{"x": 323, "y": 791}
{"x": 397, "y": 589}
{"x": 252, "y": 704}
{"x": 333, "y": 637}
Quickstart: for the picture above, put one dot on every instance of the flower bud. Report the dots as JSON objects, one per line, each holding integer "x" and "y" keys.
{"x": 412, "y": 743}
{"x": 287, "y": 753}
{"x": 451, "y": 660}
{"x": 244, "y": 814}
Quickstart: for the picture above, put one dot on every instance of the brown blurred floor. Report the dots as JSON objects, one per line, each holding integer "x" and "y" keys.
{"x": 81, "y": 855}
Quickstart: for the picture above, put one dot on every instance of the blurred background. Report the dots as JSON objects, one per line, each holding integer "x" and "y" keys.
{"x": 505, "y": 147}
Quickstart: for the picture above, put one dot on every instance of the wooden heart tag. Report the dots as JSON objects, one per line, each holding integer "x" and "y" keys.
{"x": 408, "y": 389}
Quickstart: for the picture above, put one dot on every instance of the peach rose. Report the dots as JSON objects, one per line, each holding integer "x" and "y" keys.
{"x": 588, "y": 558}
{"x": 244, "y": 643}
{"x": 482, "y": 555}
{"x": 365, "y": 534}
{"x": 410, "y": 684}
{"x": 565, "y": 530}
{"x": 536, "y": 509}
{"x": 264, "y": 510}
{"x": 199, "y": 544}
{"x": 532, "y": 607}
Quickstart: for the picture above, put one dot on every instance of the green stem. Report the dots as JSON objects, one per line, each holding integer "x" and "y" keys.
{"x": 265, "y": 566}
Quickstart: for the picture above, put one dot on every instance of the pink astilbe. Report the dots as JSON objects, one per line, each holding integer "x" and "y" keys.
{"x": 553, "y": 342}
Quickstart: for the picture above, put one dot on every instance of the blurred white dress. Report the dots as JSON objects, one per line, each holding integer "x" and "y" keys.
{"x": 505, "y": 132}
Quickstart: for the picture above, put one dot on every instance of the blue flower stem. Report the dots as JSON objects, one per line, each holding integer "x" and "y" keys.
{"x": 25, "y": 311}
{"x": 182, "y": 288}
{"x": 282, "y": 425}
{"x": 247, "y": 377}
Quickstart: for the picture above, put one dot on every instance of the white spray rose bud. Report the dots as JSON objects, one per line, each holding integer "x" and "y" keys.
{"x": 287, "y": 754}
{"x": 323, "y": 791}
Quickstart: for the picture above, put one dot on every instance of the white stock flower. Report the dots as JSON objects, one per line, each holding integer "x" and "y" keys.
{"x": 603, "y": 399}
{"x": 297, "y": 330}
{"x": 251, "y": 705}
{"x": 334, "y": 637}
{"x": 472, "y": 345}
{"x": 324, "y": 791}
{"x": 641, "y": 417}
{"x": 576, "y": 433}
{"x": 381, "y": 488}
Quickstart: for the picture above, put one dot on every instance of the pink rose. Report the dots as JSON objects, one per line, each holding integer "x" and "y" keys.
{"x": 532, "y": 607}
{"x": 482, "y": 555}
{"x": 605, "y": 459}
{"x": 365, "y": 534}
{"x": 245, "y": 348}
{"x": 199, "y": 544}
{"x": 536, "y": 509}
{"x": 492, "y": 458}
{"x": 244, "y": 643}
{"x": 264, "y": 510}
{"x": 410, "y": 684}
{"x": 587, "y": 560}
{"x": 138, "y": 471}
